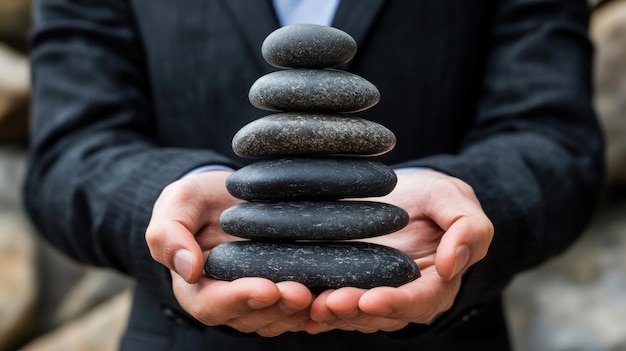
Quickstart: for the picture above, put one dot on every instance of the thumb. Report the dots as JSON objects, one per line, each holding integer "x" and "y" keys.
{"x": 175, "y": 247}
{"x": 461, "y": 246}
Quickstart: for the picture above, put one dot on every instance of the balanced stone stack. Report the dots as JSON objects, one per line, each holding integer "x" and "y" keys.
{"x": 302, "y": 205}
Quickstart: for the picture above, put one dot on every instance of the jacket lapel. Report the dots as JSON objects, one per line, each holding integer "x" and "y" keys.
{"x": 355, "y": 17}
{"x": 256, "y": 19}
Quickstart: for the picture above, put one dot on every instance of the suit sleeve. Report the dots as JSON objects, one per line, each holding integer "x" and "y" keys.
{"x": 534, "y": 155}
{"x": 95, "y": 169}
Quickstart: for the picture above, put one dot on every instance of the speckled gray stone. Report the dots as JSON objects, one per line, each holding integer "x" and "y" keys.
{"x": 316, "y": 265}
{"x": 308, "y": 46}
{"x": 285, "y": 134}
{"x": 313, "y": 90}
{"x": 311, "y": 179}
{"x": 337, "y": 220}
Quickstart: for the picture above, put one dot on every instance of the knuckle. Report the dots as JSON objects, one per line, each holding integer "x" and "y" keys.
{"x": 203, "y": 315}
{"x": 271, "y": 331}
{"x": 242, "y": 325}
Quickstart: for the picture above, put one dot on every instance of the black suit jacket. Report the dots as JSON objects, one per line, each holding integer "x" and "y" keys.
{"x": 130, "y": 95}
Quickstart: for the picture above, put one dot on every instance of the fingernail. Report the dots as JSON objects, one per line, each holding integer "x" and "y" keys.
{"x": 182, "y": 263}
{"x": 462, "y": 257}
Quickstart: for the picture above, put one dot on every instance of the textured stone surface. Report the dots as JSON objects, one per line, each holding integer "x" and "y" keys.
{"x": 285, "y": 134}
{"x": 308, "y": 45}
{"x": 316, "y": 90}
{"x": 339, "y": 220}
{"x": 316, "y": 265}
{"x": 311, "y": 179}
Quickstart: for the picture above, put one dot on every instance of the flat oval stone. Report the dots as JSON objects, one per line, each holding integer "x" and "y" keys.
{"x": 291, "y": 134}
{"x": 308, "y": 46}
{"x": 311, "y": 179}
{"x": 316, "y": 265}
{"x": 314, "y": 90}
{"x": 337, "y": 220}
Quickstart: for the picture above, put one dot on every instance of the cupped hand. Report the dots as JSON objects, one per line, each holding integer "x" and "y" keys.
{"x": 447, "y": 232}
{"x": 183, "y": 228}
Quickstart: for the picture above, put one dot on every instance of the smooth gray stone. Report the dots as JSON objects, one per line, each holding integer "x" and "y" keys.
{"x": 313, "y": 90}
{"x": 338, "y": 220}
{"x": 316, "y": 265}
{"x": 308, "y": 46}
{"x": 293, "y": 134}
{"x": 311, "y": 179}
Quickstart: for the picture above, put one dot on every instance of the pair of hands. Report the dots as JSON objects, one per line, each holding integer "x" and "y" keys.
{"x": 447, "y": 233}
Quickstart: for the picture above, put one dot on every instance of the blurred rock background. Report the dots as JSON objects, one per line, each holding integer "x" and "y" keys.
{"x": 48, "y": 302}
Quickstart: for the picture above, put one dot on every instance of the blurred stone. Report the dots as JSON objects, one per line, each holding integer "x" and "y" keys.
{"x": 99, "y": 329}
{"x": 72, "y": 289}
{"x": 15, "y": 20}
{"x": 93, "y": 288}
{"x": 308, "y": 46}
{"x": 315, "y": 90}
{"x": 40, "y": 289}
{"x": 14, "y": 95}
{"x": 576, "y": 301}
{"x": 608, "y": 32}
{"x": 303, "y": 134}
{"x": 18, "y": 287}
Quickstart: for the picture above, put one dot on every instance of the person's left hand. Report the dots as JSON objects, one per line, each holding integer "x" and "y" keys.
{"x": 447, "y": 232}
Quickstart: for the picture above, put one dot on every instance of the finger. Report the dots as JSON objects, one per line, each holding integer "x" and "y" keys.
{"x": 344, "y": 303}
{"x": 293, "y": 323}
{"x": 214, "y": 302}
{"x": 323, "y": 318}
{"x": 468, "y": 231}
{"x": 319, "y": 310}
{"x": 291, "y": 309}
{"x": 182, "y": 210}
{"x": 170, "y": 233}
{"x": 418, "y": 301}
{"x": 463, "y": 244}
{"x": 314, "y": 327}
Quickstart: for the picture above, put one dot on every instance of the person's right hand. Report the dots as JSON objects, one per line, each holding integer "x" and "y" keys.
{"x": 183, "y": 228}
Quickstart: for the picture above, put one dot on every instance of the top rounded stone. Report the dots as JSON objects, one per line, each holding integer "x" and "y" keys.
{"x": 308, "y": 46}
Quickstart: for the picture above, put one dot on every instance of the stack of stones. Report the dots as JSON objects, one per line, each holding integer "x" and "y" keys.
{"x": 312, "y": 156}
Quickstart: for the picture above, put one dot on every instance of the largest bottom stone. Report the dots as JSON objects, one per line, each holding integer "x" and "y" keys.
{"x": 314, "y": 264}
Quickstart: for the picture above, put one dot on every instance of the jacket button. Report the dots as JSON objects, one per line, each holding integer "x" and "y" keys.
{"x": 470, "y": 314}
{"x": 173, "y": 316}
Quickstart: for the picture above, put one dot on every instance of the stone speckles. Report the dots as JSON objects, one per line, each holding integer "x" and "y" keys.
{"x": 308, "y": 46}
{"x": 285, "y": 134}
{"x": 315, "y": 220}
{"x": 291, "y": 179}
{"x": 316, "y": 265}
{"x": 313, "y": 90}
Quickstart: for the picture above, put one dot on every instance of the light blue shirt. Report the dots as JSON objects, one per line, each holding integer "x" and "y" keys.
{"x": 305, "y": 11}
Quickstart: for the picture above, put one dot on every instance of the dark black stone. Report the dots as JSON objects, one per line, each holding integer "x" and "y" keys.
{"x": 338, "y": 220}
{"x": 316, "y": 265}
{"x": 294, "y": 134}
{"x": 311, "y": 179}
{"x": 308, "y": 46}
{"x": 314, "y": 90}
